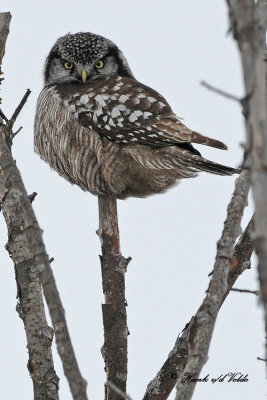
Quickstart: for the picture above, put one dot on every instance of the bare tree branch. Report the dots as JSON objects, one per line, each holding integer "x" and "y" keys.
{"x": 15, "y": 115}
{"x": 205, "y": 318}
{"x": 220, "y": 92}
{"x": 256, "y": 292}
{"x": 242, "y": 255}
{"x": 249, "y": 29}
{"x": 262, "y": 359}
{"x": 64, "y": 346}
{"x": 114, "y": 267}
{"x": 194, "y": 340}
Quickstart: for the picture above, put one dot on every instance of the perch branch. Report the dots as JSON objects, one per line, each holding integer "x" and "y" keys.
{"x": 113, "y": 266}
{"x": 191, "y": 347}
{"x": 248, "y": 24}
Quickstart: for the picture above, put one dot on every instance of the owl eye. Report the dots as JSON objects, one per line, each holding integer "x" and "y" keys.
{"x": 99, "y": 64}
{"x": 68, "y": 65}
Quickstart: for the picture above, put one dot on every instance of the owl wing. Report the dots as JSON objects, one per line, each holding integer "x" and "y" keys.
{"x": 126, "y": 111}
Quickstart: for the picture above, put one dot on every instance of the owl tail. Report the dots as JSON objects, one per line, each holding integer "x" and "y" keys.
{"x": 200, "y": 139}
{"x": 202, "y": 164}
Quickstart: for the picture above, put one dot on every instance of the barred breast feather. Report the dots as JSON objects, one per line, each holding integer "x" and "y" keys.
{"x": 107, "y": 141}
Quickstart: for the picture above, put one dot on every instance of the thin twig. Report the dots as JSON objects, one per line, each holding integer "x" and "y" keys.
{"x": 256, "y": 292}
{"x": 220, "y": 92}
{"x": 262, "y": 359}
{"x": 18, "y": 110}
{"x": 115, "y": 389}
{"x": 15, "y": 133}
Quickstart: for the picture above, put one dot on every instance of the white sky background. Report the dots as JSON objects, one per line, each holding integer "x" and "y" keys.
{"x": 171, "y": 46}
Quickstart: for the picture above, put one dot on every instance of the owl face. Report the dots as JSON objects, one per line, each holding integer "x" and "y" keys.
{"x": 82, "y": 58}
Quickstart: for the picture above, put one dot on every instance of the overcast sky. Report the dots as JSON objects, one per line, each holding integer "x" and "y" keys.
{"x": 171, "y": 46}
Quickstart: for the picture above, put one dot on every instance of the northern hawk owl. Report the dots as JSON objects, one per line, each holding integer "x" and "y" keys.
{"x": 106, "y": 132}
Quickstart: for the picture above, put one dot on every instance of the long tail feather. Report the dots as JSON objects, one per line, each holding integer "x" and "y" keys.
{"x": 203, "y": 164}
{"x": 198, "y": 138}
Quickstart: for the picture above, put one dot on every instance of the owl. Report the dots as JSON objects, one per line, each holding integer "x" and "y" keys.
{"x": 108, "y": 133}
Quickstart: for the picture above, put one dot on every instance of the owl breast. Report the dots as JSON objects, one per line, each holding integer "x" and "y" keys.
{"x": 70, "y": 149}
{"x": 96, "y": 164}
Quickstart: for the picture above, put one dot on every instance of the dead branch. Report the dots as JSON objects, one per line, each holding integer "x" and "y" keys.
{"x": 256, "y": 292}
{"x": 220, "y": 92}
{"x": 190, "y": 350}
{"x": 64, "y": 346}
{"x": 249, "y": 27}
{"x": 242, "y": 255}
{"x": 262, "y": 359}
{"x": 32, "y": 196}
{"x": 114, "y": 267}
{"x": 205, "y": 318}
{"x": 15, "y": 115}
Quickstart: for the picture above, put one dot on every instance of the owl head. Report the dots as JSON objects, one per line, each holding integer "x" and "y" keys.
{"x": 83, "y": 57}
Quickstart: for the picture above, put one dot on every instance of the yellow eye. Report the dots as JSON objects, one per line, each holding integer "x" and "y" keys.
{"x": 99, "y": 64}
{"x": 68, "y": 65}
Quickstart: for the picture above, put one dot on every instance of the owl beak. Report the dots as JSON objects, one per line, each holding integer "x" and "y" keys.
{"x": 84, "y": 75}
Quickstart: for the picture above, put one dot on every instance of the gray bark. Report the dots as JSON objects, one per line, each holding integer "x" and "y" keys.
{"x": 114, "y": 267}
{"x": 27, "y": 250}
{"x": 64, "y": 346}
{"x": 249, "y": 30}
{"x": 191, "y": 348}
